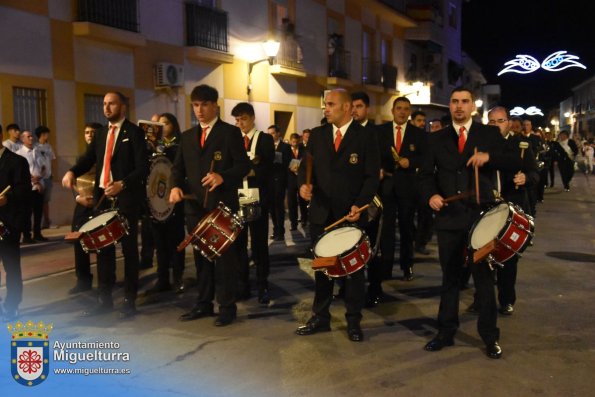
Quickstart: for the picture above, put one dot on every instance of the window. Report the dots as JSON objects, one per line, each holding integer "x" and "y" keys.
{"x": 30, "y": 107}
{"x": 120, "y": 14}
{"x": 94, "y": 109}
{"x": 452, "y": 15}
{"x": 206, "y": 27}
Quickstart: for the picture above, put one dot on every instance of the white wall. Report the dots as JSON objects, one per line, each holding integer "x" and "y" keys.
{"x": 163, "y": 21}
{"x": 353, "y": 44}
{"x": 283, "y": 90}
{"x": 25, "y": 44}
{"x": 307, "y": 118}
{"x": 61, "y": 9}
{"x": 311, "y": 29}
{"x": 105, "y": 64}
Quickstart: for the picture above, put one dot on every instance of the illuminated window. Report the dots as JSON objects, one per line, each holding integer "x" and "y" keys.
{"x": 30, "y": 107}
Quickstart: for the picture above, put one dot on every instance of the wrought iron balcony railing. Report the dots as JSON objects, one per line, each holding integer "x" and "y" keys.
{"x": 120, "y": 14}
{"x": 206, "y": 27}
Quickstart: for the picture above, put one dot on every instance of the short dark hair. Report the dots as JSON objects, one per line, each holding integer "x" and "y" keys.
{"x": 306, "y": 131}
{"x": 123, "y": 98}
{"x": 362, "y": 96}
{"x": 417, "y": 113}
{"x": 274, "y": 126}
{"x": 94, "y": 125}
{"x": 564, "y": 132}
{"x": 294, "y": 136}
{"x": 13, "y": 126}
{"x": 401, "y": 99}
{"x": 516, "y": 118}
{"x": 462, "y": 89}
{"x": 242, "y": 108}
{"x": 204, "y": 93}
{"x": 500, "y": 108}
{"x": 40, "y": 130}
{"x": 174, "y": 122}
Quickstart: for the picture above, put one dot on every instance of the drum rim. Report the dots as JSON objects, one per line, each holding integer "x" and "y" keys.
{"x": 332, "y": 230}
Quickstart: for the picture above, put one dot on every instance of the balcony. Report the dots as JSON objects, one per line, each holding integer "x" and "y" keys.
{"x": 371, "y": 72}
{"x": 288, "y": 61}
{"x": 389, "y": 77}
{"x": 426, "y": 31}
{"x": 339, "y": 68}
{"x": 206, "y": 34}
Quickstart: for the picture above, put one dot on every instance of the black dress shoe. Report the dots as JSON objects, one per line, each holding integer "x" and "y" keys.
{"x": 264, "y": 298}
{"x": 507, "y": 310}
{"x": 128, "y": 309}
{"x": 179, "y": 287}
{"x": 355, "y": 334}
{"x": 421, "y": 249}
{"x": 39, "y": 237}
{"x": 473, "y": 308}
{"x": 28, "y": 240}
{"x": 408, "y": 275}
{"x": 101, "y": 307}
{"x": 80, "y": 287}
{"x": 196, "y": 313}
{"x": 157, "y": 289}
{"x": 224, "y": 319}
{"x": 438, "y": 343}
{"x": 493, "y": 350}
{"x": 314, "y": 325}
{"x": 280, "y": 237}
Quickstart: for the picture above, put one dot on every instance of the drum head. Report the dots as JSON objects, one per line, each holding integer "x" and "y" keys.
{"x": 159, "y": 185}
{"x": 489, "y": 225}
{"x": 98, "y": 221}
{"x": 337, "y": 241}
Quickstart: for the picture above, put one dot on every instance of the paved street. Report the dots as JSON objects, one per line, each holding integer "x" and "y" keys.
{"x": 548, "y": 343}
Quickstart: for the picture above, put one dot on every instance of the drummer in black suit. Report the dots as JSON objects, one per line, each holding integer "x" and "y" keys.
{"x": 120, "y": 154}
{"x": 218, "y": 145}
{"x": 279, "y": 184}
{"x": 513, "y": 188}
{"x": 344, "y": 177}
{"x": 447, "y": 171}
{"x": 259, "y": 147}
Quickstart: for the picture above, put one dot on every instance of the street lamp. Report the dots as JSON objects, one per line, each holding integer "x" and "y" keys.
{"x": 271, "y": 48}
{"x": 478, "y": 103}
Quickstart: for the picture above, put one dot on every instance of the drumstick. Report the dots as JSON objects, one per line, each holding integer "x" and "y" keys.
{"x": 476, "y": 169}
{"x": 396, "y": 156}
{"x": 458, "y": 197}
{"x": 189, "y": 197}
{"x": 185, "y": 243}
{"x": 345, "y": 217}
{"x": 99, "y": 202}
{"x": 308, "y": 168}
{"x": 6, "y": 189}
{"x": 204, "y": 204}
{"x": 523, "y": 146}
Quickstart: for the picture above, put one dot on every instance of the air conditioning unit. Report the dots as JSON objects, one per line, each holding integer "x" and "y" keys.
{"x": 169, "y": 75}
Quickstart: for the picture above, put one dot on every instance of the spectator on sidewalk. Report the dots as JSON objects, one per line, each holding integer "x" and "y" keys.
{"x": 46, "y": 157}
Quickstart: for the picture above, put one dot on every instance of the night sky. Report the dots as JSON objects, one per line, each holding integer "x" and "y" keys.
{"x": 494, "y": 31}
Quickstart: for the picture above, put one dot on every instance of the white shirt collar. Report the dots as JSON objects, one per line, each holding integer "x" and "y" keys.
{"x": 209, "y": 124}
{"x": 467, "y": 126}
{"x": 343, "y": 128}
{"x": 250, "y": 133}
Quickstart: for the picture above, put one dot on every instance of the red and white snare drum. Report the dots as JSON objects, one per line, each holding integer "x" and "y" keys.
{"x": 214, "y": 233}
{"x": 507, "y": 225}
{"x": 349, "y": 244}
{"x": 102, "y": 231}
{"x": 3, "y": 231}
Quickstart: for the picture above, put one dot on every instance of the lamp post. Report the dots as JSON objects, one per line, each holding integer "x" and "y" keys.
{"x": 271, "y": 48}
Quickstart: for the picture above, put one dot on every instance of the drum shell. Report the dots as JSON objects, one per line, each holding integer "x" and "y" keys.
{"x": 215, "y": 232}
{"x": 351, "y": 260}
{"x": 105, "y": 234}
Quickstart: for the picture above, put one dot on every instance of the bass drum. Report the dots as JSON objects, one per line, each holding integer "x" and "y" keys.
{"x": 159, "y": 185}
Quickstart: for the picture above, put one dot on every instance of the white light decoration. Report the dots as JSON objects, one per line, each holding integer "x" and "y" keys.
{"x": 554, "y": 62}
{"x": 530, "y": 111}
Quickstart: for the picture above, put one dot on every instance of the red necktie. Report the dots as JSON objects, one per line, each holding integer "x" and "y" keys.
{"x": 338, "y": 140}
{"x": 203, "y": 137}
{"x": 107, "y": 166}
{"x": 462, "y": 139}
{"x": 246, "y": 142}
{"x": 398, "y": 139}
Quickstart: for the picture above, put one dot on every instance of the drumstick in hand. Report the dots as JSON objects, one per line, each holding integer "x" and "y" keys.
{"x": 523, "y": 146}
{"x": 204, "y": 204}
{"x": 99, "y": 202}
{"x": 476, "y": 169}
{"x": 6, "y": 189}
{"x": 359, "y": 210}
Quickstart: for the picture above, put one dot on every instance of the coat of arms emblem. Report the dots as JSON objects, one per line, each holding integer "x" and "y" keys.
{"x": 29, "y": 352}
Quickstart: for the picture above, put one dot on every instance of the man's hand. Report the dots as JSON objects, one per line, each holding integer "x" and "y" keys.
{"x": 353, "y": 215}
{"x": 176, "y": 195}
{"x": 403, "y": 162}
{"x": 212, "y": 180}
{"x": 68, "y": 181}
{"x": 85, "y": 201}
{"x": 519, "y": 179}
{"x": 306, "y": 192}
{"x": 437, "y": 202}
{"x": 114, "y": 188}
{"x": 478, "y": 159}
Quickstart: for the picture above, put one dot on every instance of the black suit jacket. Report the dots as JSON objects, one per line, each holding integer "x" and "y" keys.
{"x": 444, "y": 172}
{"x": 128, "y": 164}
{"x": 528, "y": 167}
{"x": 225, "y": 148}
{"x": 344, "y": 178}
{"x": 561, "y": 155}
{"x": 283, "y": 156}
{"x": 14, "y": 171}
{"x": 403, "y": 182}
{"x": 292, "y": 176}
{"x": 261, "y": 167}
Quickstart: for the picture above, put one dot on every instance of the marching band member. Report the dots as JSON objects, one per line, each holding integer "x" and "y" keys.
{"x": 119, "y": 153}
{"x": 217, "y": 143}
{"x": 345, "y": 170}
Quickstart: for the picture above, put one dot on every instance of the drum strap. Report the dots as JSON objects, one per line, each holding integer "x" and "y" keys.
{"x": 251, "y": 155}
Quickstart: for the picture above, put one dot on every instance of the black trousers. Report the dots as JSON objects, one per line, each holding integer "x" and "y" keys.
{"x": 82, "y": 260}
{"x": 36, "y": 210}
{"x": 425, "y": 224}
{"x": 355, "y": 288}
{"x": 166, "y": 237}
{"x": 279, "y": 187}
{"x": 541, "y": 184}
{"x": 10, "y": 255}
{"x": 258, "y": 231}
{"x": 148, "y": 244}
{"x": 293, "y": 200}
{"x": 551, "y": 173}
{"x": 451, "y": 246}
{"x": 566, "y": 168}
{"x": 404, "y": 208}
{"x": 216, "y": 279}
{"x": 375, "y": 271}
{"x": 106, "y": 264}
{"x": 506, "y": 282}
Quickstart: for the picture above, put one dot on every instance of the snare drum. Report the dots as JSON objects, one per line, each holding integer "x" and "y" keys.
{"x": 215, "y": 232}
{"x": 102, "y": 231}
{"x": 349, "y": 244}
{"x": 3, "y": 231}
{"x": 159, "y": 185}
{"x": 507, "y": 225}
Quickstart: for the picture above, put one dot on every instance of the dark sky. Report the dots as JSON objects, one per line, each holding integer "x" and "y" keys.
{"x": 494, "y": 31}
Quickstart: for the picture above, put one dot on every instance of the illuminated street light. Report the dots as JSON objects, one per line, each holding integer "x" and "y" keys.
{"x": 478, "y": 103}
